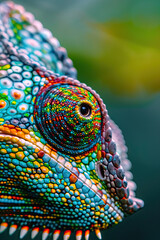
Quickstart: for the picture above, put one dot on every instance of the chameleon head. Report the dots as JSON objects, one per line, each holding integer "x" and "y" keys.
{"x": 63, "y": 161}
{"x": 73, "y": 120}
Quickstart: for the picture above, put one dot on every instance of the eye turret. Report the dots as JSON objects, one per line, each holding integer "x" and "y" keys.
{"x": 68, "y": 117}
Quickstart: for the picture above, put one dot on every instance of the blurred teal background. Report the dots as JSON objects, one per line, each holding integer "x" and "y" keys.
{"x": 115, "y": 46}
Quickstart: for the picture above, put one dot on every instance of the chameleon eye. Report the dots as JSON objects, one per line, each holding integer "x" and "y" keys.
{"x": 68, "y": 117}
{"x": 85, "y": 109}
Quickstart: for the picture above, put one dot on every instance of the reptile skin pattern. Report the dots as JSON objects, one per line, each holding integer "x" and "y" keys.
{"x": 63, "y": 161}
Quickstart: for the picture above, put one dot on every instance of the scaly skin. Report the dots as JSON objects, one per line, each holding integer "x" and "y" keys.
{"x": 63, "y": 162}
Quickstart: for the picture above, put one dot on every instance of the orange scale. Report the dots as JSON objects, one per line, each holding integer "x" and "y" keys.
{"x": 2, "y": 104}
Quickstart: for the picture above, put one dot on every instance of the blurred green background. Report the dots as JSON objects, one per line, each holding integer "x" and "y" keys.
{"x": 115, "y": 46}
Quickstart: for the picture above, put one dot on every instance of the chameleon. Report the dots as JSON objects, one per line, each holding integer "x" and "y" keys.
{"x": 63, "y": 161}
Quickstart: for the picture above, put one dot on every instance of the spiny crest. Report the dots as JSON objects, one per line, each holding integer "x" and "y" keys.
{"x": 46, "y": 232}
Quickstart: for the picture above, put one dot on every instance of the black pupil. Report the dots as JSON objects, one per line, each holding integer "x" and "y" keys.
{"x": 85, "y": 109}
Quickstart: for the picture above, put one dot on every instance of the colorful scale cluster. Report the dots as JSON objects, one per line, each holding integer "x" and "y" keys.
{"x": 18, "y": 89}
{"x": 64, "y": 189}
{"x": 63, "y": 162}
{"x": 35, "y": 41}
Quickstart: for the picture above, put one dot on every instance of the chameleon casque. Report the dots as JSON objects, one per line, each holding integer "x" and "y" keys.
{"x": 63, "y": 161}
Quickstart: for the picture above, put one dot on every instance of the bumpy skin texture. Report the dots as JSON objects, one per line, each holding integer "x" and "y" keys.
{"x": 63, "y": 162}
